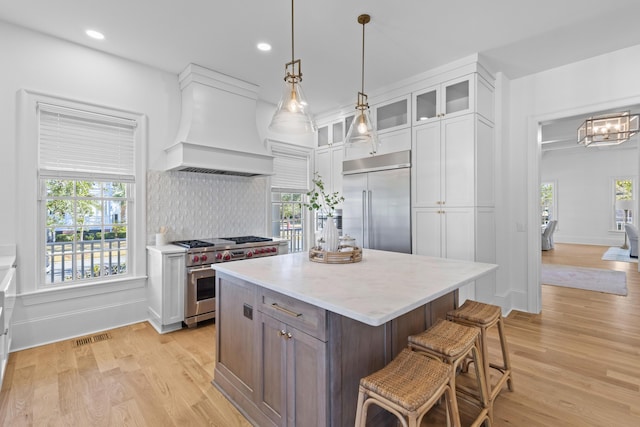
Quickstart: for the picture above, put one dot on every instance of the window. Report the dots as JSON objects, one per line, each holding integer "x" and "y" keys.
{"x": 288, "y": 218}
{"x": 548, "y": 202}
{"x": 623, "y": 202}
{"x": 86, "y": 170}
{"x": 289, "y": 186}
{"x": 86, "y": 229}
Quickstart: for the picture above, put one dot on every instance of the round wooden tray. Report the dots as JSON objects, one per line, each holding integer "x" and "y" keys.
{"x": 346, "y": 257}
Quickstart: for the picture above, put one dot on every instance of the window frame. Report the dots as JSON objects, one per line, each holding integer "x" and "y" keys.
{"x": 554, "y": 199}
{"x": 30, "y": 225}
{"x": 614, "y": 182}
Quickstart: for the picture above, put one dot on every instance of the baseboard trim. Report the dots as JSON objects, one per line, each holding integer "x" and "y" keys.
{"x": 52, "y": 328}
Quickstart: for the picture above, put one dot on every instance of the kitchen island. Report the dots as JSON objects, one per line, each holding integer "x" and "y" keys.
{"x": 294, "y": 337}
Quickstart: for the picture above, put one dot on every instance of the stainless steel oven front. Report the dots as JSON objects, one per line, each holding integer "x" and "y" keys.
{"x": 200, "y": 298}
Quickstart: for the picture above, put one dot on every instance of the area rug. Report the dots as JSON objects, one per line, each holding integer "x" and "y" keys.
{"x": 618, "y": 254}
{"x": 590, "y": 279}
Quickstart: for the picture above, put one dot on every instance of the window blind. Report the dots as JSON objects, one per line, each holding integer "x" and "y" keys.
{"x": 85, "y": 142}
{"x": 291, "y": 172}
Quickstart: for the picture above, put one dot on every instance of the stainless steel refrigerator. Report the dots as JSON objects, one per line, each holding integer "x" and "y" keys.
{"x": 377, "y": 201}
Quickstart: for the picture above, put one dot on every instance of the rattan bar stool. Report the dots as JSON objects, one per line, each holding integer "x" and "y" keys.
{"x": 485, "y": 316}
{"x": 408, "y": 387}
{"x": 453, "y": 343}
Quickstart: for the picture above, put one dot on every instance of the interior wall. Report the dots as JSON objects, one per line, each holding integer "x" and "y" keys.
{"x": 606, "y": 81}
{"x": 583, "y": 177}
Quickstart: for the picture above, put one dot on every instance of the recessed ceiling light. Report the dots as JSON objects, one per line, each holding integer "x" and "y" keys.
{"x": 95, "y": 34}
{"x": 265, "y": 47}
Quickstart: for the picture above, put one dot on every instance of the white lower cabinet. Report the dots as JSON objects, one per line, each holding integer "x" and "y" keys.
{"x": 444, "y": 233}
{"x": 458, "y": 233}
{"x": 166, "y": 289}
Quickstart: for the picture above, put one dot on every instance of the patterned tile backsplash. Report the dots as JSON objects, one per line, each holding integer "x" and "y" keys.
{"x": 198, "y": 205}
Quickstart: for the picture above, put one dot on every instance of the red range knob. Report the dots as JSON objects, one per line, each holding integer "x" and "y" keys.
{"x": 218, "y": 256}
{"x": 227, "y": 257}
{"x": 203, "y": 258}
{"x": 196, "y": 258}
{"x": 259, "y": 251}
{"x": 274, "y": 250}
{"x": 249, "y": 254}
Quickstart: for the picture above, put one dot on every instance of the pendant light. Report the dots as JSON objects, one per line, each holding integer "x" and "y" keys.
{"x": 292, "y": 115}
{"x": 362, "y": 130}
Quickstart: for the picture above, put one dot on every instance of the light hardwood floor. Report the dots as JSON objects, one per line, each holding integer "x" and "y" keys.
{"x": 576, "y": 364}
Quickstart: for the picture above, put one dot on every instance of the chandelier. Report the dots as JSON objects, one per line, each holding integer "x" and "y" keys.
{"x": 609, "y": 129}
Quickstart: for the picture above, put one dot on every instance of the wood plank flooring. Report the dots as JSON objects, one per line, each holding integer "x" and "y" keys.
{"x": 576, "y": 364}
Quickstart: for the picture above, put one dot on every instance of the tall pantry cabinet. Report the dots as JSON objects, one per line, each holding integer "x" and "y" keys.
{"x": 453, "y": 153}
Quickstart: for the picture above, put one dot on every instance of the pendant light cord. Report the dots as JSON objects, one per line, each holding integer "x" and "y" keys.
{"x": 292, "y": 54}
{"x": 363, "y": 24}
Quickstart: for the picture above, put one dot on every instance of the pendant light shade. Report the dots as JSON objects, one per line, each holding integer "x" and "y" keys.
{"x": 292, "y": 116}
{"x": 363, "y": 130}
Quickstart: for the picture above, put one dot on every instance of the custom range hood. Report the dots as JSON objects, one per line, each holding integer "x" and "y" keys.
{"x": 217, "y": 132}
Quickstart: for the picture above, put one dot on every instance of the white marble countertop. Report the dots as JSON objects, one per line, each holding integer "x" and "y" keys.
{"x": 383, "y": 286}
{"x": 167, "y": 249}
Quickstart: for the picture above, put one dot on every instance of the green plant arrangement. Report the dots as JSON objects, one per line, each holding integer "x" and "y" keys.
{"x": 319, "y": 200}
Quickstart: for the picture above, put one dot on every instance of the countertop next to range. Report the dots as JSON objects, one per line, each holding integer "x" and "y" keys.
{"x": 383, "y": 286}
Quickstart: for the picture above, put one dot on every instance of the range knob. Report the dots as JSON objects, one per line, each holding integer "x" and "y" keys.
{"x": 219, "y": 256}
{"x": 249, "y": 254}
{"x": 196, "y": 258}
{"x": 259, "y": 251}
{"x": 203, "y": 258}
{"x": 226, "y": 256}
{"x": 274, "y": 250}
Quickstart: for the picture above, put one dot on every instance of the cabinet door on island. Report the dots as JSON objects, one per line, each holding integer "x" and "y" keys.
{"x": 293, "y": 383}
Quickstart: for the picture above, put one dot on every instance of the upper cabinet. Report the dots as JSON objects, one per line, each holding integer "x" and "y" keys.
{"x": 331, "y": 133}
{"x": 392, "y": 115}
{"x": 470, "y": 93}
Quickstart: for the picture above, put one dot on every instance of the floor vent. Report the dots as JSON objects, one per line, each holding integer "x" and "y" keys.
{"x": 90, "y": 340}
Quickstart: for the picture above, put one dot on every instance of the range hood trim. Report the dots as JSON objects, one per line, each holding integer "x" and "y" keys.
{"x": 185, "y": 156}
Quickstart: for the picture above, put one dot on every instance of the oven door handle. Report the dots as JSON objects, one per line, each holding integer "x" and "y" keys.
{"x": 199, "y": 269}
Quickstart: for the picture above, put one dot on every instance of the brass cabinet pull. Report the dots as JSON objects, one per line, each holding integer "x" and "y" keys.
{"x": 285, "y": 310}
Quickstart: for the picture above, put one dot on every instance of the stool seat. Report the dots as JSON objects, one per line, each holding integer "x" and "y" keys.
{"x": 446, "y": 338}
{"x": 409, "y": 380}
{"x": 408, "y": 387}
{"x": 476, "y": 312}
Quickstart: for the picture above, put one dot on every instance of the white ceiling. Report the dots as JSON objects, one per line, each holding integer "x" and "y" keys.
{"x": 403, "y": 39}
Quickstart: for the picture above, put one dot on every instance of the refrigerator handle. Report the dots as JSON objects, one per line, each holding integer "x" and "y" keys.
{"x": 364, "y": 218}
{"x": 369, "y": 227}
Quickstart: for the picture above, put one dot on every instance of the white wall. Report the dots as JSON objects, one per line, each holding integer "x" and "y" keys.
{"x": 584, "y": 191}
{"x": 42, "y": 64}
{"x": 606, "y": 81}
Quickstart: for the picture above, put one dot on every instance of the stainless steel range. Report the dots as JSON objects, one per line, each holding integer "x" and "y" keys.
{"x": 200, "y": 294}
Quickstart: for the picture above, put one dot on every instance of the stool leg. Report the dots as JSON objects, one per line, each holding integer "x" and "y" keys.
{"x": 505, "y": 354}
{"x": 361, "y": 412}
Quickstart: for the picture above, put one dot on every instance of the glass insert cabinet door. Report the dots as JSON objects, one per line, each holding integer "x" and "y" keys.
{"x": 445, "y": 100}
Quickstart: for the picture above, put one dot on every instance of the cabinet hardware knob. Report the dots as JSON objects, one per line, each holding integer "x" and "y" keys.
{"x": 289, "y": 335}
{"x": 282, "y": 332}
{"x": 286, "y": 310}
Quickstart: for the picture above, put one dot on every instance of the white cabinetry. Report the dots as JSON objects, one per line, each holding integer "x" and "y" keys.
{"x": 453, "y": 163}
{"x": 166, "y": 287}
{"x": 467, "y": 94}
{"x": 328, "y": 163}
{"x": 453, "y": 174}
{"x": 7, "y": 302}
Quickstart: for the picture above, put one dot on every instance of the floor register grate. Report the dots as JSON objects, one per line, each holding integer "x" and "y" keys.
{"x": 90, "y": 340}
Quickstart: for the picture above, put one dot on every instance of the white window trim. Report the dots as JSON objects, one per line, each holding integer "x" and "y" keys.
{"x": 30, "y": 255}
